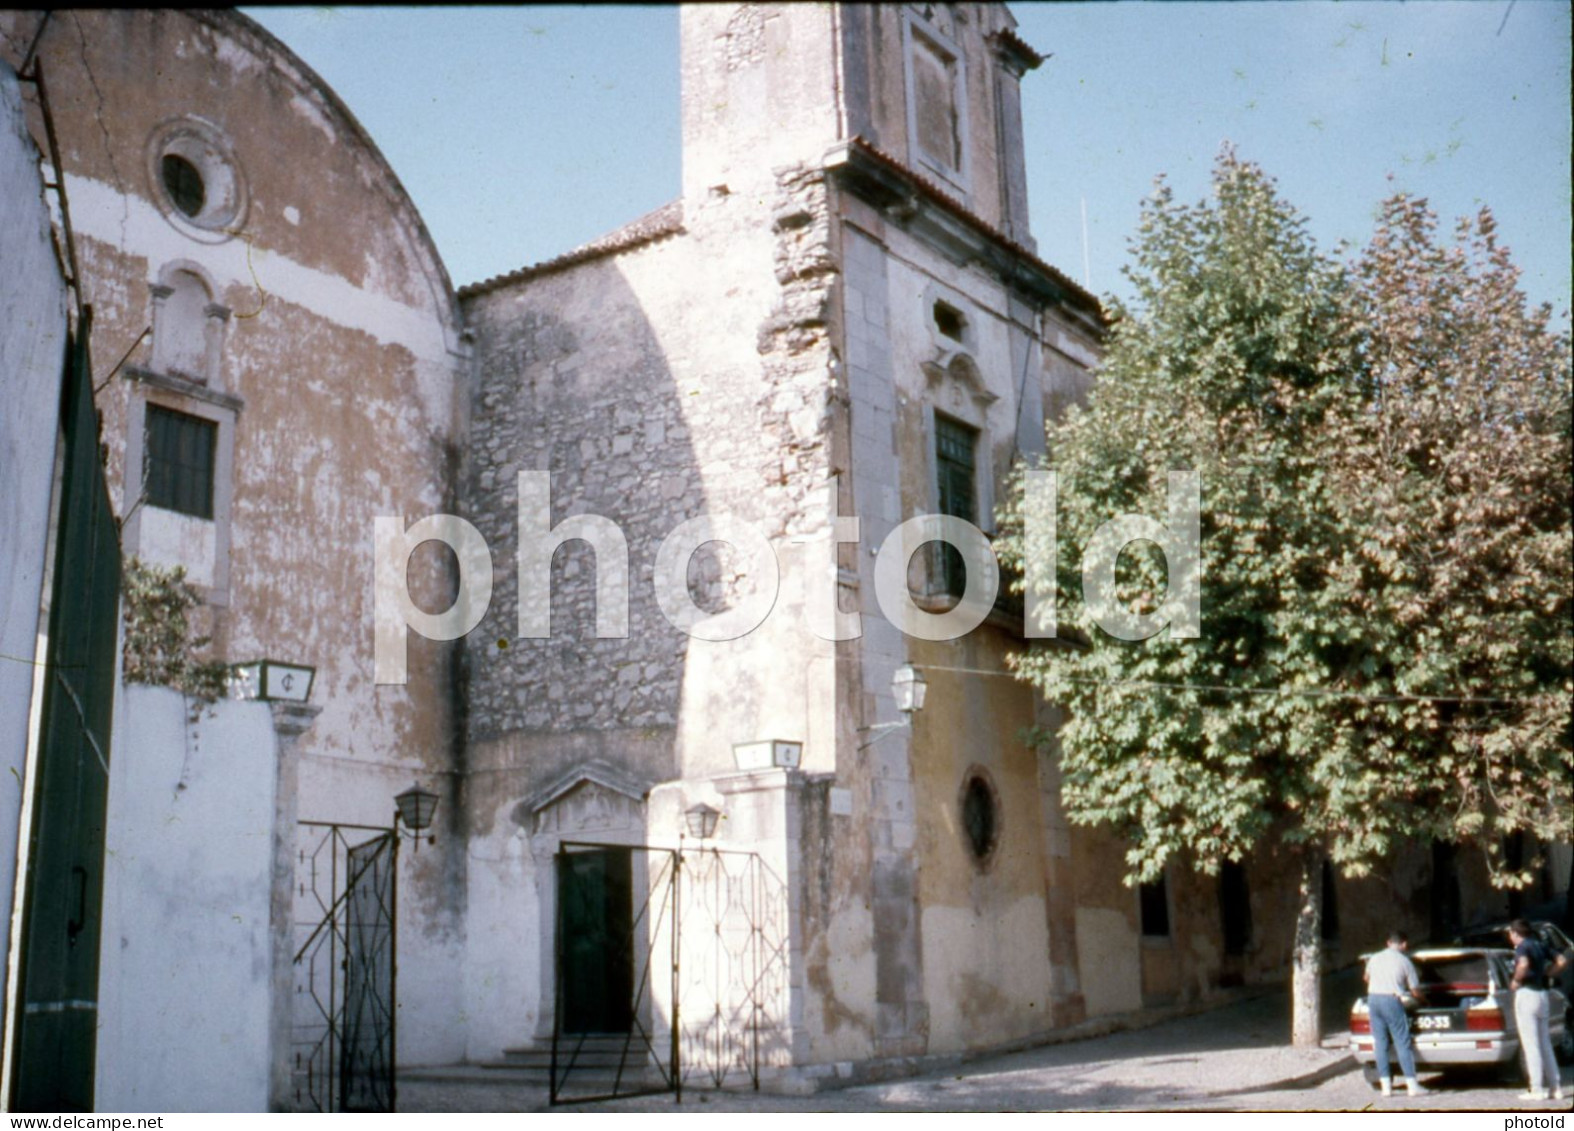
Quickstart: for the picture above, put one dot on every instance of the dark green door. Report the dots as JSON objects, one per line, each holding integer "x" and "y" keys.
{"x": 595, "y": 940}
{"x": 57, "y": 1006}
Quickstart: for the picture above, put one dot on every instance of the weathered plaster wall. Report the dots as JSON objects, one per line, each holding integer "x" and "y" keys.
{"x": 875, "y": 77}
{"x": 964, "y": 954}
{"x": 32, "y": 353}
{"x": 337, "y": 356}
{"x": 985, "y": 944}
{"x": 185, "y": 980}
{"x": 1123, "y": 970}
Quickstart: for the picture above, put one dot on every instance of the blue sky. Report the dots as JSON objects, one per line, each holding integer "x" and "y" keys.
{"x": 521, "y": 132}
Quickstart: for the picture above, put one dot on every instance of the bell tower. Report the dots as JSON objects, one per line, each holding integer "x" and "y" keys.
{"x": 933, "y": 86}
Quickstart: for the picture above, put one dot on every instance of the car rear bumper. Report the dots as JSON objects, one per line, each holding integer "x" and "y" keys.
{"x": 1446, "y": 1052}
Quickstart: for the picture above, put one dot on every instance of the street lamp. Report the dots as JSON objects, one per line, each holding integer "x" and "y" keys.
{"x": 908, "y": 687}
{"x": 414, "y": 808}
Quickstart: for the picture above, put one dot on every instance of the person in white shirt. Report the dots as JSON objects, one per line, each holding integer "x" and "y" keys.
{"x": 1390, "y": 978}
{"x": 1534, "y": 967}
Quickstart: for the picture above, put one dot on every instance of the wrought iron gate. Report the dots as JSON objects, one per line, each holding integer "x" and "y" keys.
{"x": 700, "y": 951}
{"x": 343, "y": 1023}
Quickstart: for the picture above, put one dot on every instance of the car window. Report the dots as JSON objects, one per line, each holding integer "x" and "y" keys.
{"x": 1485, "y": 938}
{"x": 1553, "y": 939}
{"x": 1501, "y": 970}
{"x": 1465, "y": 970}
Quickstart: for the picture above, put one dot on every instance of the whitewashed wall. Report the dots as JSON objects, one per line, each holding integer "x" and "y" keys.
{"x": 32, "y": 348}
{"x": 184, "y": 980}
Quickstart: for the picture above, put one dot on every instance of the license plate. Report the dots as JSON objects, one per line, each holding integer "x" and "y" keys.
{"x": 1435, "y": 1021}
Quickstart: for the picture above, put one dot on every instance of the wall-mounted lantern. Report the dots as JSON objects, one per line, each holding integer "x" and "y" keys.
{"x": 701, "y": 820}
{"x": 414, "y": 809}
{"x": 272, "y": 681}
{"x": 909, "y": 687}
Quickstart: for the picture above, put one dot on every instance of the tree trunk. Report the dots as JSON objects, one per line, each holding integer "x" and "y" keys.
{"x": 1306, "y": 982}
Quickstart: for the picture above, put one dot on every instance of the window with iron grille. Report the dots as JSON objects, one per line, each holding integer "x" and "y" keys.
{"x": 180, "y": 451}
{"x": 956, "y": 447}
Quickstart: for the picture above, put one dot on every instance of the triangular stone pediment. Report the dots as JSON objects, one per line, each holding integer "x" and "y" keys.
{"x": 588, "y": 799}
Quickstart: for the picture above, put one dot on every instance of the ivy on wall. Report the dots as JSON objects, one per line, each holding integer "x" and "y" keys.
{"x": 159, "y": 646}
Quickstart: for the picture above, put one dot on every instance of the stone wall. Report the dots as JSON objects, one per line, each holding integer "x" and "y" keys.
{"x": 685, "y": 376}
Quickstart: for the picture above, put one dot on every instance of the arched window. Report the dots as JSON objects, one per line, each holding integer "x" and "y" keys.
{"x": 188, "y": 326}
{"x": 180, "y": 336}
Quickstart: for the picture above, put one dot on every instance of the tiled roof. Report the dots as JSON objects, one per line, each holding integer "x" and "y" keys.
{"x": 664, "y": 221}
{"x": 668, "y": 221}
{"x": 1075, "y": 291}
{"x": 1009, "y": 41}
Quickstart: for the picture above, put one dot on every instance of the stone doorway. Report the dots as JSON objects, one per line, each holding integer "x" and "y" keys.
{"x": 596, "y": 941}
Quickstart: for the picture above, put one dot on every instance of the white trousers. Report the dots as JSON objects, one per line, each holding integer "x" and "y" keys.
{"x": 1535, "y": 1038}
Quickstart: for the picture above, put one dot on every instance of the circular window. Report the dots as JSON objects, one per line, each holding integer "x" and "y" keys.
{"x": 184, "y": 184}
{"x": 196, "y": 180}
{"x": 980, "y": 816}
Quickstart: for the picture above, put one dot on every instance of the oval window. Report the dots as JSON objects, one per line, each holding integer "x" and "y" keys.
{"x": 980, "y": 817}
{"x": 184, "y": 184}
{"x": 196, "y": 181}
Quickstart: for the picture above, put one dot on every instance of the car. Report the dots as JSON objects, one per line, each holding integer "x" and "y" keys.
{"x": 1464, "y": 1018}
{"x": 1552, "y": 937}
{"x": 1550, "y": 934}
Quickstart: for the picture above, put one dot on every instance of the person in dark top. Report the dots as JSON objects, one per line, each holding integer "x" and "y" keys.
{"x": 1533, "y": 969}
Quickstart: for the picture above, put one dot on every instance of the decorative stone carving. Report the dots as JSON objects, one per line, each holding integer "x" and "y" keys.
{"x": 583, "y": 802}
{"x": 959, "y": 372}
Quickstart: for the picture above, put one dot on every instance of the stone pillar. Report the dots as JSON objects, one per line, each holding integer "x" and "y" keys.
{"x": 901, "y": 1009}
{"x": 290, "y": 721}
{"x": 1066, "y": 1003}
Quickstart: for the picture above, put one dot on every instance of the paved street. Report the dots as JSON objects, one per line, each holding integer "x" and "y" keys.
{"x": 1231, "y": 1059}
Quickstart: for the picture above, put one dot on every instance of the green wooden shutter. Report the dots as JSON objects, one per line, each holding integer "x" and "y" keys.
{"x": 64, "y": 881}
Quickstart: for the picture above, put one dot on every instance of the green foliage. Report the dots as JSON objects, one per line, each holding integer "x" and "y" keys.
{"x": 1457, "y": 474}
{"x": 1383, "y": 454}
{"x": 159, "y": 648}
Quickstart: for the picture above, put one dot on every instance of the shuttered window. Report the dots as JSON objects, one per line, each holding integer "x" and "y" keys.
{"x": 180, "y": 461}
{"x": 956, "y": 447}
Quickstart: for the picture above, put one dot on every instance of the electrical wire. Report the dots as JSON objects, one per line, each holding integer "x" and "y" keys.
{"x": 1323, "y": 692}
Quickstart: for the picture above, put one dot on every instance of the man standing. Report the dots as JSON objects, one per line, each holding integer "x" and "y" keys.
{"x": 1533, "y": 966}
{"x": 1390, "y": 977}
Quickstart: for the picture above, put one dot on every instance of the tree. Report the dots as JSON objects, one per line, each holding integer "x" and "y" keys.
{"x": 1308, "y": 710}
{"x": 1457, "y": 472}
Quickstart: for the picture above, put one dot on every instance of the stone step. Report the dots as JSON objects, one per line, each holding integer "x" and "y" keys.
{"x": 542, "y": 1058}
{"x": 581, "y": 1079}
{"x": 611, "y": 1048}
